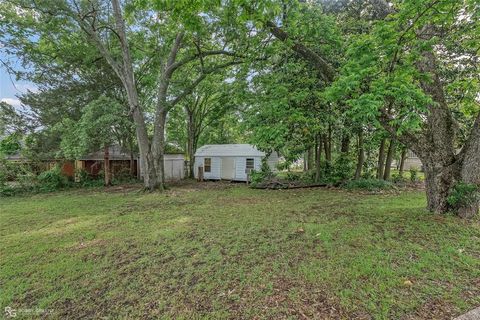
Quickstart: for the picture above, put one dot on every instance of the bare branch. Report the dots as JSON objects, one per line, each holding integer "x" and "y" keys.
{"x": 194, "y": 84}
{"x": 327, "y": 72}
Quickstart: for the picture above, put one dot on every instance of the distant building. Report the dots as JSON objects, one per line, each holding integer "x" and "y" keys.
{"x": 412, "y": 161}
{"x": 122, "y": 163}
{"x": 67, "y": 167}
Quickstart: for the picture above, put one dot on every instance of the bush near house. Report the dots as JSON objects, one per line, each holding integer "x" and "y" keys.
{"x": 369, "y": 184}
{"x": 18, "y": 179}
{"x": 463, "y": 194}
{"x": 52, "y": 180}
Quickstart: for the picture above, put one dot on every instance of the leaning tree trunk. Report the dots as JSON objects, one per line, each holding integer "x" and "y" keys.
{"x": 381, "y": 159}
{"x": 436, "y": 148}
{"x": 388, "y": 161}
{"x": 361, "y": 156}
{"x": 402, "y": 162}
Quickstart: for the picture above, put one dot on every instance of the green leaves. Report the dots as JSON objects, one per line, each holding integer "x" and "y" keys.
{"x": 103, "y": 122}
{"x": 10, "y": 144}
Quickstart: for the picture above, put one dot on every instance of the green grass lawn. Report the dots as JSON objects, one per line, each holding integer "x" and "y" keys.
{"x": 225, "y": 251}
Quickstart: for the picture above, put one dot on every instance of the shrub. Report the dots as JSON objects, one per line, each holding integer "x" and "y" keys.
{"x": 413, "y": 175}
{"x": 256, "y": 177}
{"x": 463, "y": 194}
{"x": 292, "y": 176}
{"x": 5, "y": 189}
{"x": 397, "y": 178}
{"x": 337, "y": 171}
{"x": 283, "y": 165}
{"x": 265, "y": 168}
{"x": 368, "y": 184}
{"x": 123, "y": 176}
{"x": 16, "y": 178}
{"x": 262, "y": 175}
{"x": 3, "y": 178}
{"x": 307, "y": 176}
{"x": 86, "y": 180}
{"x": 343, "y": 168}
{"x": 26, "y": 182}
{"x": 52, "y": 180}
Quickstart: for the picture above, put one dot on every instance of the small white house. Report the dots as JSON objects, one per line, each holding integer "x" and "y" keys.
{"x": 230, "y": 161}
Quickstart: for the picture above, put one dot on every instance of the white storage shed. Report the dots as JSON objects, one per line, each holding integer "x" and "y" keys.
{"x": 174, "y": 166}
{"x": 230, "y": 161}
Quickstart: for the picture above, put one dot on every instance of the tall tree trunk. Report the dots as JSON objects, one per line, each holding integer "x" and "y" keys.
{"x": 388, "y": 162}
{"x": 106, "y": 166}
{"x": 310, "y": 155}
{"x": 124, "y": 71}
{"x": 438, "y": 182}
{"x": 132, "y": 165}
{"x": 361, "y": 156}
{"x": 402, "y": 162}
{"x": 158, "y": 148}
{"x": 345, "y": 147}
{"x": 191, "y": 143}
{"x": 326, "y": 146}
{"x": 147, "y": 163}
{"x": 381, "y": 159}
{"x": 132, "y": 157}
{"x": 330, "y": 142}
{"x": 318, "y": 158}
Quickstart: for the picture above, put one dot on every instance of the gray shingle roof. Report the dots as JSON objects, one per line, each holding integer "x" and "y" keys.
{"x": 228, "y": 150}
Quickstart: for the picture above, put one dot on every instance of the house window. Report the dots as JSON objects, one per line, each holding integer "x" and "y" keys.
{"x": 207, "y": 165}
{"x": 250, "y": 163}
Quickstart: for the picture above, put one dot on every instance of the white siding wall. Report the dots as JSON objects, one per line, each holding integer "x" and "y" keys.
{"x": 216, "y": 166}
{"x": 174, "y": 167}
{"x": 198, "y": 163}
{"x": 258, "y": 163}
{"x": 241, "y": 164}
